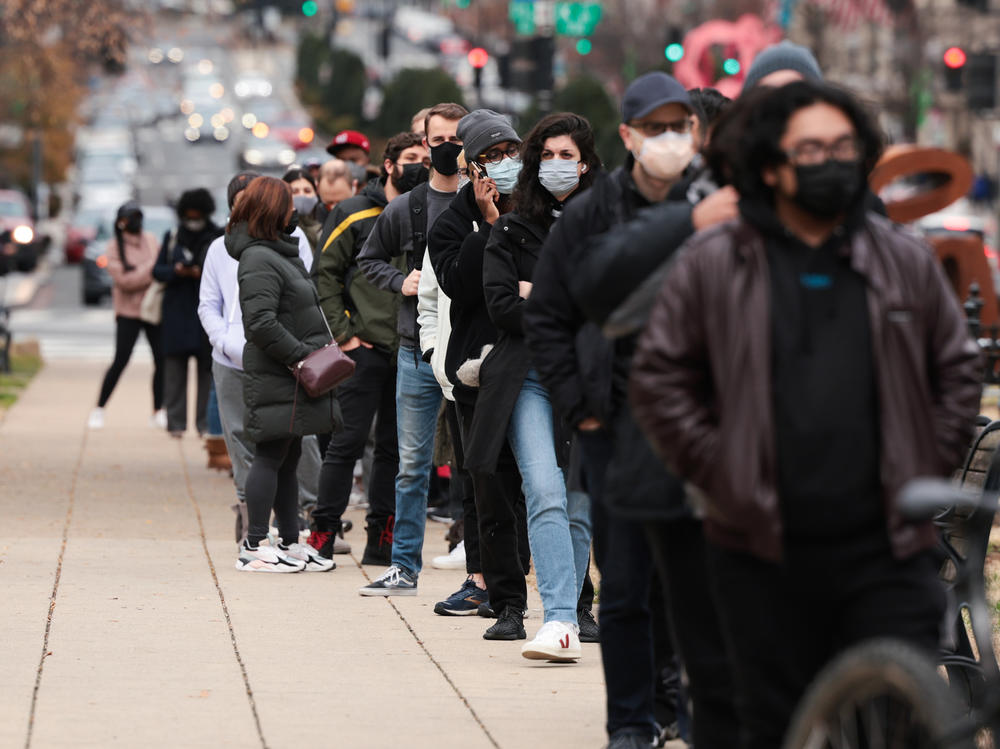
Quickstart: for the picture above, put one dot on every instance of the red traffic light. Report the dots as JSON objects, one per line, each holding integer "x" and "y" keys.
{"x": 954, "y": 57}
{"x": 478, "y": 57}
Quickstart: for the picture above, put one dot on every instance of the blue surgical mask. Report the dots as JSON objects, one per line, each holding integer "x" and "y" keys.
{"x": 559, "y": 176}
{"x": 505, "y": 174}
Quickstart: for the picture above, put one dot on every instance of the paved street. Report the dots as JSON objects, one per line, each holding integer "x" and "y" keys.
{"x": 126, "y": 623}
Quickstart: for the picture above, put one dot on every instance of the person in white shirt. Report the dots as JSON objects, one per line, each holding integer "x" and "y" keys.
{"x": 222, "y": 319}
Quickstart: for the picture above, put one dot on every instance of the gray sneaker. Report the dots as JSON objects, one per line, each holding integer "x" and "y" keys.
{"x": 395, "y": 581}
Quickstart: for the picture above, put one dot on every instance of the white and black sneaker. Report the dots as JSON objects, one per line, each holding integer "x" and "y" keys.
{"x": 395, "y": 581}
{"x": 266, "y": 559}
{"x": 309, "y": 556}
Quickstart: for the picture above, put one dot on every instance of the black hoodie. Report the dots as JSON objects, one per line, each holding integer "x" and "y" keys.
{"x": 823, "y": 381}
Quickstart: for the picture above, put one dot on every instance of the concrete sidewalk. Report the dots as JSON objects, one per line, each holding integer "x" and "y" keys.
{"x": 125, "y": 623}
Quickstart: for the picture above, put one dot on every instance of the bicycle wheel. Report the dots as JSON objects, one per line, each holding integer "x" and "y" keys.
{"x": 881, "y": 694}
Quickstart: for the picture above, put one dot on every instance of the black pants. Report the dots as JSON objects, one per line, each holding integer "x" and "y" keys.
{"x": 369, "y": 394}
{"x": 503, "y": 527}
{"x": 678, "y": 550}
{"x": 626, "y": 567}
{"x": 783, "y": 622}
{"x": 127, "y": 331}
{"x": 175, "y": 388}
{"x": 463, "y": 490}
{"x": 273, "y": 485}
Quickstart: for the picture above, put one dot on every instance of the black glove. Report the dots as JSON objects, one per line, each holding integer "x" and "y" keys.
{"x": 427, "y": 355}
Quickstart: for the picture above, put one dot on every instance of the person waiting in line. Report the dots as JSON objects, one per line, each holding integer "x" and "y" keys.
{"x": 800, "y": 365}
{"x": 131, "y": 255}
{"x": 363, "y": 319}
{"x": 335, "y": 184}
{"x": 178, "y": 266}
{"x": 283, "y": 323}
{"x": 221, "y": 317}
{"x": 558, "y": 161}
{"x": 305, "y": 199}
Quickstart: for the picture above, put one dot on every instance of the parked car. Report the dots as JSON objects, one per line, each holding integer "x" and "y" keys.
{"x": 267, "y": 153}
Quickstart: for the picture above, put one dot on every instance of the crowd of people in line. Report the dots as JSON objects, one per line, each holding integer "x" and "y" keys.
{"x": 712, "y": 367}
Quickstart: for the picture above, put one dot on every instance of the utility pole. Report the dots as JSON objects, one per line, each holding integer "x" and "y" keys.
{"x": 544, "y": 48}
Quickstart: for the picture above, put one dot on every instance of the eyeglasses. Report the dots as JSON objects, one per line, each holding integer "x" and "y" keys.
{"x": 652, "y": 129}
{"x": 496, "y": 155}
{"x": 812, "y": 152}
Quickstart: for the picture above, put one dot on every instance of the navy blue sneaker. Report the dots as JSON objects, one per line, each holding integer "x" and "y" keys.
{"x": 463, "y": 602}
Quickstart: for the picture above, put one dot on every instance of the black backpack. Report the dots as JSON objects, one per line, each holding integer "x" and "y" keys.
{"x": 418, "y": 224}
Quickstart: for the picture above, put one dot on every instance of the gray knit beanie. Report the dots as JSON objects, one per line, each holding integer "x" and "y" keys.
{"x": 783, "y": 56}
{"x": 483, "y": 128}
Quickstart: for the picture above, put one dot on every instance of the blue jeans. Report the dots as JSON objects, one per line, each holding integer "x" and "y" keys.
{"x": 558, "y": 522}
{"x": 418, "y": 399}
{"x": 212, "y": 412}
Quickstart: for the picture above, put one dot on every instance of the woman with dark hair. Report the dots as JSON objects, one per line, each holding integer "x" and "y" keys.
{"x": 131, "y": 256}
{"x": 558, "y": 161}
{"x": 283, "y": 323}
{"x": 179, "y": 268}
{"x": 305, "y": 198}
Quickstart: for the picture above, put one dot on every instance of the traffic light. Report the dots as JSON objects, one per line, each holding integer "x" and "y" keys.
{"x": 478, "y": 57}
{"x": 954, "y": 67}
{"x": 674, "y": 51}
{"x": 310, "y": 8}
{"x": 981, "y": 81}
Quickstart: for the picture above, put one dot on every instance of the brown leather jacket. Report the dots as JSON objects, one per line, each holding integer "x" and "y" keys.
{"x": 701, "y": 379}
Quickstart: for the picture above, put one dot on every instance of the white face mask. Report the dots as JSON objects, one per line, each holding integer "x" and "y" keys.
{"x": 666, "y": 156}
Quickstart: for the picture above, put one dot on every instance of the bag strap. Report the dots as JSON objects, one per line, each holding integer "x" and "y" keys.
{"x": 418, "y": 223}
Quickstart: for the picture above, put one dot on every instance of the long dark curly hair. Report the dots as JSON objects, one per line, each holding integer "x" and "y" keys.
{"x": 532, "y": 201}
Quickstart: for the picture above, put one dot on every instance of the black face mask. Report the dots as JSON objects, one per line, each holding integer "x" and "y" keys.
{"x": 293, "y": 223}
{"x": 444, "y": 158}
{"x": 133, "y": 224}
{"x": 828, "y": 189}
{"x": 408, "y": 176}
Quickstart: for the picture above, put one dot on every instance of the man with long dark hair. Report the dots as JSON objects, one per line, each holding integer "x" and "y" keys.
{"x": 800, "y": 365}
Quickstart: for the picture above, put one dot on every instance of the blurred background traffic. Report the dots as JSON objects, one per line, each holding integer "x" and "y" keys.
{"x": 111, "y": 100}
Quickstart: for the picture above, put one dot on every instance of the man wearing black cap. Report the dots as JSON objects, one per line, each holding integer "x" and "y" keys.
{"x": 585, "y": 375}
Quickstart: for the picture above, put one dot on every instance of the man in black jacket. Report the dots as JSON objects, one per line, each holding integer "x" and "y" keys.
{"x": 362, "y": 319}
{"x": 586, "y": 376}
{"x": 400, "y": 232}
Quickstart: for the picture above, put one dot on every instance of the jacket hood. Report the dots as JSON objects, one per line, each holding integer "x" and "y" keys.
{"x": 375, "y": 191}
{"x": 238, "y": 239}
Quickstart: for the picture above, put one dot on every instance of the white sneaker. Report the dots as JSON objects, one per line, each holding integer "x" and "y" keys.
{"x": 266, "y": 558}
{"x": 309, "y": 557}
{"x": 455, "y": 560}
{"x": 558, "y": 642}
{"x": 159, "y": 419}
{"x": 96, "y": 419}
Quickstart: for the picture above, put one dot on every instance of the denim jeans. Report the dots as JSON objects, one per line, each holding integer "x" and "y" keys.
{"x": 418, "y": 400}
{"x": 212, "y": 413}
{"x": 558, "y": 522}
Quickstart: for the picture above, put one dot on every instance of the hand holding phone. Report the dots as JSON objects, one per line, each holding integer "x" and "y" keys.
{"x": 485, "y": 190}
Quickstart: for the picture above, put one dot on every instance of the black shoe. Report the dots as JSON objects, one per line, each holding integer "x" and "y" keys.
{"x": 629, "y": 738}
{"x": 589, "y": 631}
{"x": 486, "y": 611}
{"x": 508, "y": 627}
{"x": 378, "y": 550}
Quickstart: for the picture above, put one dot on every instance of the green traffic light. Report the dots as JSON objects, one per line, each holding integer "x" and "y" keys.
{"x": 584, "y": 46}
{"x": 463, "y": 4}
{"x": 310, "y": 8}
{"x": 674, "y": 52}
{"x": 731, "y": 66}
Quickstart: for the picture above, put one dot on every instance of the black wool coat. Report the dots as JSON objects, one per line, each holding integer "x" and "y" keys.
{"x": 283, "y": 323}
{"x": 182, "y": 332}
{"x": 511, "y": 253}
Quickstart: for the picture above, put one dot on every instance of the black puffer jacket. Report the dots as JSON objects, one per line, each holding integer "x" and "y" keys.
{"x": 284, "y": 324}
{"x": 182, "y": 332}
{"x": 456, "y": 245}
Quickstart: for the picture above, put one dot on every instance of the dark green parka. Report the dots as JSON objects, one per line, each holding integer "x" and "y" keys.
{"x": 283, "y": 323}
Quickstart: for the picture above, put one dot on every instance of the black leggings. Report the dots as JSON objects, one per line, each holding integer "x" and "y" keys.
{"x": 127, "y": 333}
{"x": 272, "y": 484}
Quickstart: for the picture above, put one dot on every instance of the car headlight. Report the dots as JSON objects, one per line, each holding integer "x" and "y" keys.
{"x": 286, "y": 156}
{"x": 253, "y": 156}
{"x": 23, "y": 234}
{"x": 192, "y": 134}
{"x": 221, "y": 133}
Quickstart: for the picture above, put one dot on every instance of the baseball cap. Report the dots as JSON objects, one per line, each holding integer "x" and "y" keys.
{"x": 650, "y": 91}
{"x": 348, "y": 138}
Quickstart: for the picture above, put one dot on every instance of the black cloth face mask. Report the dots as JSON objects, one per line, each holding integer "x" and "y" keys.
{"x": 409, "y": 176}
{"x": 828, "y": 189}
{"x": 444, "y": 158}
